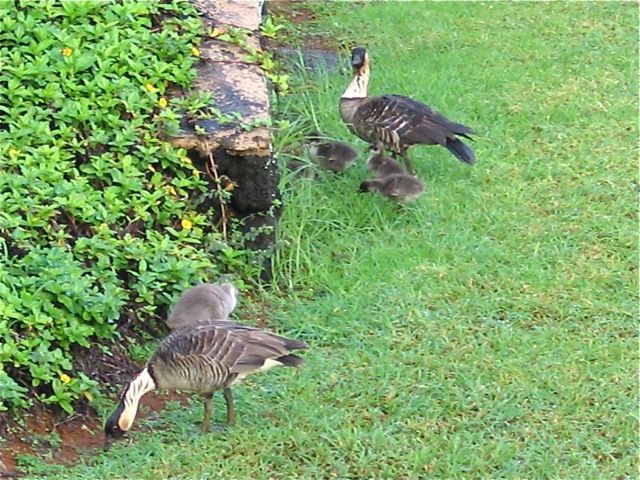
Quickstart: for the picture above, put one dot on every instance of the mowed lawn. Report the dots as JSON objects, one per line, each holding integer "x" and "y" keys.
{"x": 489, "y": 330}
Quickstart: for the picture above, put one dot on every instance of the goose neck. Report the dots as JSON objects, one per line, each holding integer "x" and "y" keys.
{"x": 359, "y": 84}
{"x": 140, "y": 385}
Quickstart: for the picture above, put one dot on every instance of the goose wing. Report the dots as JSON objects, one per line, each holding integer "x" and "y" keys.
{"x": 236, "y": 347}
{"x": 398, "y": 119}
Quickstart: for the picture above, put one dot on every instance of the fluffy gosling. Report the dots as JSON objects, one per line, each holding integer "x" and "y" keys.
{"x": 203, "y": 302}
{"x": 401, "y": 187}
{"x": 380, "y": 165}
{"x": 334, "y": 156}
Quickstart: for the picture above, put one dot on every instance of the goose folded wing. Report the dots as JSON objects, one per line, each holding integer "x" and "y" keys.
{"x": 411, "y": 121}
{"x": 261, "y": 346}
{"x": 208, "y": 340}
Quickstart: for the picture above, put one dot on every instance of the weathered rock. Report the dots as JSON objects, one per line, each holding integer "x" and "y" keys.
{"x": 238, "y": 141}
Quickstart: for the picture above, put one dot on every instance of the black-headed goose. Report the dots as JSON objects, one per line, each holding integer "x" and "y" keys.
{"x": 203, "y": 358}
{"x": 396, "y": 120}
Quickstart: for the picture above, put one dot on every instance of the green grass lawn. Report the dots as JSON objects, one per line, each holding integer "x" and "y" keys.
{"x": 488, "y": 330}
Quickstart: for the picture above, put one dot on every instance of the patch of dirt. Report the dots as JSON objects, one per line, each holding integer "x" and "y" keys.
{"x": 64, "y": 440}
{"x": 298, "y": 13}
{"x": 295, "y": 11}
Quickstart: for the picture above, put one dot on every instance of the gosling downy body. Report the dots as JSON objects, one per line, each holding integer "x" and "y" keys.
{"x": 401, "y": 187}
{"x": 301, "y": 169}
{"x": 380, "y": 165}
{"x": 203, "y": 358}
{"x": 396, "y": 120}
{"x": 334, "y": 156}
{"x": 203, "y": 302}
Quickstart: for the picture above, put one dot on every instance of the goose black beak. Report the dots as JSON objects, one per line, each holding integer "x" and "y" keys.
{"x": 108, "y": 441}
{"x": 358, "y": 55}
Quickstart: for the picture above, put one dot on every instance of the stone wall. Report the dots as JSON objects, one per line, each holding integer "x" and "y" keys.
{"x": 243, "y": 156}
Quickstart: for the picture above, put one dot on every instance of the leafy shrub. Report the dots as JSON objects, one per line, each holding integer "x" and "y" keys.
{"x": 97, "y": 215}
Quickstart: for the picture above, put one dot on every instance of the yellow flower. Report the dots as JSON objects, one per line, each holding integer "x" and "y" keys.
{"x": 172, "y": 191}
{"x": 66, "y": 51}
{"x": 13, "y": 151}
{"x": 187, "y": 160}
{"x": 162, "y": 102}
{"x": 102, "y": 227}
{"x": 215, "y": 32}
{"x": 186, "y": 224}
{"x": 64, "y": 378}
{"x": 151, "y": 88}
{"x": 195, "y": 51}
{"x": 195, "y": 172}
{"x": 151, "y": 168}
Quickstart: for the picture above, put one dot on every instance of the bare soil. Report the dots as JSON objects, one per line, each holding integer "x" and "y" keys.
{"x": 63, "y": 440}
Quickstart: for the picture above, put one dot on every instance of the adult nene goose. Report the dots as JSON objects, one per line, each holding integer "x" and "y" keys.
{"x": 397, "y": 121}
{"x": 203, "y": 302}
{"x": 204, "y": 358}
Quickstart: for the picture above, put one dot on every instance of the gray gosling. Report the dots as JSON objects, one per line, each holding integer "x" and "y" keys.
{"x": 401, "y": 187}
{"x": 334, "y": 156}
{"x": 203, "y": 302}
{"x": 380, "y": 165}
{"x": 301, "y": 169}
{"x": 203, "y": 358}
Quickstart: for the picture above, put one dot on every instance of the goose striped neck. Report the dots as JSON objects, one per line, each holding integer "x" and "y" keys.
{"x": 140, "y": 385}
{"x": 359, "y": 83}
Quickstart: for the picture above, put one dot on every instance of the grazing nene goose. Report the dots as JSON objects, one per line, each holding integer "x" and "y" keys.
{"x": 400, "y": 187}
{"x": 380, "y": 165}
{"x": 334, "y": 156}
{"x": 397, "y": 121}
{"x": 203, "y": 358}
{"x": 203, "y": 302}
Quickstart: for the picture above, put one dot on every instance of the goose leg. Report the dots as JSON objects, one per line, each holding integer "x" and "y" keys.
{"x": 407, "y": 162}
{"x": 231, "y": 414}
{"x": 208, "y": 407}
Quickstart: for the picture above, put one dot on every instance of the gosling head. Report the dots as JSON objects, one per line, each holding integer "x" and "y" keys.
{"x": 376, "y": 149}
{"x": 232, "y": 293}
{"x": 369, "y": 186}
